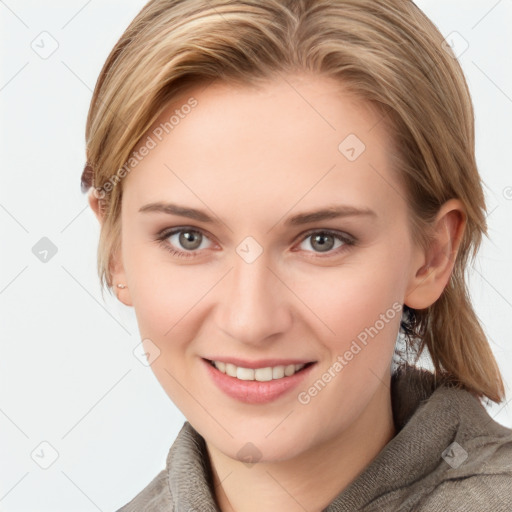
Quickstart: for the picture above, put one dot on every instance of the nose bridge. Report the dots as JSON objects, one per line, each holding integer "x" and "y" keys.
{"x": 253, "y": 305}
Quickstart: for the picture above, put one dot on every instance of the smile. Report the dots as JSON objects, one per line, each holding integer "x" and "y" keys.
{"x": 265, "y": 382}
{"x": 259, "y": 374}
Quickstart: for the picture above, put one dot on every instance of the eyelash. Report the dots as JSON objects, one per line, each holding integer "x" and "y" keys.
{"x": 162, "y": 239}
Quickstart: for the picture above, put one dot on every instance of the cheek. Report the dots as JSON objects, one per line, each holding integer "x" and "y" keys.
{"x": 164, "y": 295}
{"x": 167, "y": 303}
{"x": 353, "y": 296}
{"x": 168, "y": 306}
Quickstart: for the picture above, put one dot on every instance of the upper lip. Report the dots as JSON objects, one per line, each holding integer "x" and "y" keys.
{"x": 260, "y": 363}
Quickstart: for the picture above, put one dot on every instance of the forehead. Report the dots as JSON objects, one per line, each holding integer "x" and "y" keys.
{"x": 295, "y": 138}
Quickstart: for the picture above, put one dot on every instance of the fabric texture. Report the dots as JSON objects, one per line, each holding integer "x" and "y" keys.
{"x": 448, "y": 455}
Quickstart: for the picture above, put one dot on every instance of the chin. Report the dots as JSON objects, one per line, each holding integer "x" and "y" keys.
{"x": 258, "y": 446}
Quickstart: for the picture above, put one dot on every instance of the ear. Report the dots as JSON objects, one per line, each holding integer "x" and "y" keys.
{"x": 116, "y": 262}
{"x": 434, "y": 265}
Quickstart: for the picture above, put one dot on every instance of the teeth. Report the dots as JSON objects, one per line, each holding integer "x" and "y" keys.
{"x": 244, "y": 373}
{"x": 289, "y": 370}
{"x": 230, "y": 369}
{"x": 259, "y": 374}
{"x": 278, "y": 372}
{"x": 263, "y": 374}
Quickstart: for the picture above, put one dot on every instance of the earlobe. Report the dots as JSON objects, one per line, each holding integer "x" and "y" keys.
{"x": 123, "y": 294}
{"x": 119, "y": 279}
{"x": 435, "y": 264}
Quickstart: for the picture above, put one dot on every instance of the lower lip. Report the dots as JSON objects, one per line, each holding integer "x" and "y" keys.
{"x": 252, "y": 391}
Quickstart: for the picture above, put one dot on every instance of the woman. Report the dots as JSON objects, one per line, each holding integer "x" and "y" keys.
{"x": 287, "y": 192}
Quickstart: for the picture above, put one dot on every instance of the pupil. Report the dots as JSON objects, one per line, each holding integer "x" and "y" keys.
{"x": 321, "y": 240}
{"x": 187, "y": 240}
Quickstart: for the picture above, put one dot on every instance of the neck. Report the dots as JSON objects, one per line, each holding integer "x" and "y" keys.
{"x": 313, "y": 479}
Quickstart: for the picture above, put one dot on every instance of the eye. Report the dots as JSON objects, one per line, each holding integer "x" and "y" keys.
{"x": 183, "y": 242}
{"x": 324, "y": 241}
{"x": 186, "y": 242}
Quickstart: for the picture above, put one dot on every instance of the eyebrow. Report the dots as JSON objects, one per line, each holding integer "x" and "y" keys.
{"x": 330, "y": 212}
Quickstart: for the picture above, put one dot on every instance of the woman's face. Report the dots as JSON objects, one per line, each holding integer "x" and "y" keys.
{"x": 265, "y": 228}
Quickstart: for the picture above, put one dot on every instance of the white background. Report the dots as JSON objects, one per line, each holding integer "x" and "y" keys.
{"x": 67, "y": 372}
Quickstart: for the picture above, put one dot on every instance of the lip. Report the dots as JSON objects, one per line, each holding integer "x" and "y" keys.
{"x": 256, "y": 392}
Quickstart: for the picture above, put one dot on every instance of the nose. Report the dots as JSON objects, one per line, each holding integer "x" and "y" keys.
{"x": 254, "y": 304}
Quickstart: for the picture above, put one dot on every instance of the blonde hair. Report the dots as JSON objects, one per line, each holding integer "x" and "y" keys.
{"x": 385, "y": 51}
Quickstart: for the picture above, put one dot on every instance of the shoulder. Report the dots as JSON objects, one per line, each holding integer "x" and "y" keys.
{"x": 154, "y": 497}
{"x": 471, "y": 494}
{"x": 475, "y": 478}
